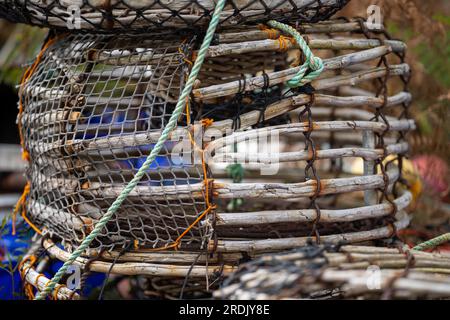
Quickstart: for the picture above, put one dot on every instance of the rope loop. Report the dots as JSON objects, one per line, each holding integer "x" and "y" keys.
{"x": 311, "y": 68}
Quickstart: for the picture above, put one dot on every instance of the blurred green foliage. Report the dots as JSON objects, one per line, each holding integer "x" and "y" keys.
{"x": 19, "y": 48}
{"x": 430, "y": 57}
{"x": 435, "y": 59}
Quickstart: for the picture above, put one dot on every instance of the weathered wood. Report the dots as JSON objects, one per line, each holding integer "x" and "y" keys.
{"x": 270, "y": 158}
{"x": 278, "y": 77}
{"x": 172, "y": 257}
{"x": 120, "y": 142}
{"x": 248, "y": 34}
{"x": 241, "y": 219}
{"x": 138, "y": 268}
{"x": 377, "y": 47}
{"x": 335, "y": 126}
{"x": 242, "y": 190}
{"x": 270, "y": 245}
{"x": 294, "y": 103}
{"x": 368, "y": 138}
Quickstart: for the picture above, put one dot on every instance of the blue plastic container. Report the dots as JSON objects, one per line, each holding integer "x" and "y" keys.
{"x": 12, "y": 248}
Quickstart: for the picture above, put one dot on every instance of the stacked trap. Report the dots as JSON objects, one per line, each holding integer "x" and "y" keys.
{"x": 94, "y": 105}
{"x": 350, "y": 272}
{"x": 142, "y": 15}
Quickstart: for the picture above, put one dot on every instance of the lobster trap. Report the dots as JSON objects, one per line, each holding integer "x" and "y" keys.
{"x": 94, "y": 106}
{"x": 341, "y": 272}
{"x": 139, "y": 15}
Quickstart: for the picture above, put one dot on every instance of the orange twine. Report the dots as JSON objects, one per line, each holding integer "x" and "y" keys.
{"x": 27, "y": 287}
{"x": 271, "y": 33}
{"x": 26, "y": 76}
{"x": 20, "y": 205}
{"x": 184, "y": 57}
{"x": 285, "y": 42}
{"x": 56, "y": 291}
{"x": 205, "y": 123}
{"x": 25, "y": 154}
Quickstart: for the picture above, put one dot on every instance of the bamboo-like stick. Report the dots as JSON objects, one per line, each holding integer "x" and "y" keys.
{"x": 335, "y": 126}
{"x": 172, "y": 257}
{"x": 351, "y": 284}
{"x": 270, "y": 245}
{"x": 240, "y": 219}
{"x": 294, "y": 103}
{"x": 278, "y": 77}
{"x": 243, "y": 190}
{"x": 138, "y": 268}
{"x": 317, "y": 28}
{"x": 226, "y": 191}
{"x": 43, "y": 92}
{"x": 370, "y": 196}
{"x": 344, "y": 113}
{"x": 79, "y": 146}
{"x": 270, "y": 158}
{"x": 331, "y": 44}
{"x": 345, "y": 269}
{"x": 285, "y": 105}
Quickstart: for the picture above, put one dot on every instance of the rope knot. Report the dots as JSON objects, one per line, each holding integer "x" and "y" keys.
{"x": 316, "y": 63}
{"x": 312, "y": 64}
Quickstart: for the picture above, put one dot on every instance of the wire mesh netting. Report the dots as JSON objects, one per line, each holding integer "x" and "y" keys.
{"x": 127, "y": 15}
{"x": 92, "y": 106}
{"x": 95, "y": 105}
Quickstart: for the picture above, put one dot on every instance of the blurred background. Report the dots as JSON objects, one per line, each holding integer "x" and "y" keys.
{"x": 423, "y": 25}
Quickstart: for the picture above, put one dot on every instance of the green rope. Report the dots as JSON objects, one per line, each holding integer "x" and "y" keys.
{"x": 312, "y": 63}
{"x": 433, "y": 243}
{"x": 155, "y": 151}
{"x": 236, "y": 172}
